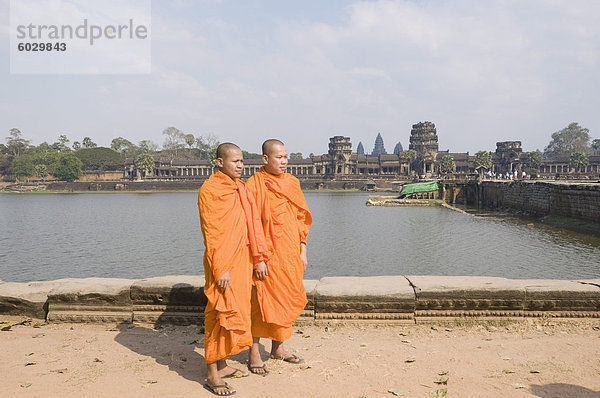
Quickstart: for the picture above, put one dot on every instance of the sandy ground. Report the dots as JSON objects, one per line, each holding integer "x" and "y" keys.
{"x": 524, "y": 359}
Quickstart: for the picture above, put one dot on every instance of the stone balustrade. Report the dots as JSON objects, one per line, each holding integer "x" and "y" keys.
{"x": 367, "y": 300}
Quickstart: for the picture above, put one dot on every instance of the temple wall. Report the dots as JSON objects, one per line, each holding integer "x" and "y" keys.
{"x": 366, "y": 300}
{"x": 313, "y": 183}
{"x": 543, "y": 198}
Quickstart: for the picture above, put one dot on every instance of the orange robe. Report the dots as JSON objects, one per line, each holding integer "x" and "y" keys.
{"x": 234, "y": 242}
{"x": 280, "y": 298}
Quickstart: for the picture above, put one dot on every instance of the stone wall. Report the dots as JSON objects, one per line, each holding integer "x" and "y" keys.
{"x": 101, "y": 176}
{"x": 192, "y": 185}
{"x": 133, "y": 186}
{"x": 539, "y": 198}
{"x": 371, "y": 300}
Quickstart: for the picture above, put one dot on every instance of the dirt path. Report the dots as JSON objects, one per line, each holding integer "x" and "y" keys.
{"x": 526, "y": 359}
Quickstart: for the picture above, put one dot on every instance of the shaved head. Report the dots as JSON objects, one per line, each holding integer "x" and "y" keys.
{"x": 267, "y": 146}
{"x": 225, "y": 148}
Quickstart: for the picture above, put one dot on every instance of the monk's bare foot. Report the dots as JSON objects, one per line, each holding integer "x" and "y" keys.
{"x": 255, "y": 362}
{"x": 214, "y": 381}
{"x": 229, "y": 372}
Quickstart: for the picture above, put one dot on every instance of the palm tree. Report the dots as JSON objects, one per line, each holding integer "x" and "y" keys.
{"x": 144, "y": 164}
{"x": 410, "y": 155}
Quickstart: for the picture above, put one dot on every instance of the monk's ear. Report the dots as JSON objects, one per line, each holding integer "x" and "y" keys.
{"x": 220, "y": 163}
{"x": 265, "y": 159}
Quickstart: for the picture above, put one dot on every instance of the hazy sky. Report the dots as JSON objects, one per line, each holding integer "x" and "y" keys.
{"x": 303, "y": 71}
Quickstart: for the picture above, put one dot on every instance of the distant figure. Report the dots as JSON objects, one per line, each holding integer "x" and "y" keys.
{"x": 278, "y": 297}
{"x": 234, "y": 242}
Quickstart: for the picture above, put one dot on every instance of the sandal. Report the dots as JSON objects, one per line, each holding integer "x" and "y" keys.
{"x": 213, "y": 389}
{"x": 291, "y": 359}
{"x": 236, "y": 374}
{"x": 252, "y": 369}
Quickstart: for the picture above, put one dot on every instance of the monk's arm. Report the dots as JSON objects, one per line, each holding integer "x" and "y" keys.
{"x": 303, "y": 255}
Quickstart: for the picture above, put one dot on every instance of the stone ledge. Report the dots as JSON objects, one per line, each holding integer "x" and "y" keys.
{"x": 308, "y": 315}
{"x": 26, "y": 299}
{"x": 373, "y": 299}
{"x": 168, "y": 299}
{"x": 179, "y": 299}
{"x": 558, "y": 296}
{"x": 91, "y": 300}
{"x": 445, "y": 298}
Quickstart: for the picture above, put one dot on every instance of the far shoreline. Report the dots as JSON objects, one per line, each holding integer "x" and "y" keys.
{"x": 161, "y": 191}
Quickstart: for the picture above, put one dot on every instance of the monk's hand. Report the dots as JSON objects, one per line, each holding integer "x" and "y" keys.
{"x": 224, "y": 281}
{"x": 261, "y": 272}
{"x": 303, "y": 255}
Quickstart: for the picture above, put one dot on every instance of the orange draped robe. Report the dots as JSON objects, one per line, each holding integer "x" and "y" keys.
{"x": 280, "y": 298}
{"x": 234, "y": 242}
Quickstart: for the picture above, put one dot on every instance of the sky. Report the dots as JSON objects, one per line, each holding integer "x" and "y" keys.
{"x": 304, "y": 71}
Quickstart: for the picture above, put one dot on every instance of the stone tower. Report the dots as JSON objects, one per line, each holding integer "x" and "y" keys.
{"x": 424, "y": 141}
{"x": 378, "y": 149}
{"x": 360, "y": 149}
{"x": 509, "y": 153}
{"x": 398, "y": 149}
{"x": 340, "y": 150}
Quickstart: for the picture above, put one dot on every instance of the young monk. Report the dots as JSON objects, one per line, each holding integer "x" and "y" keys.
{"x": 278, "y": 297}
{"x": 234, "y": 242}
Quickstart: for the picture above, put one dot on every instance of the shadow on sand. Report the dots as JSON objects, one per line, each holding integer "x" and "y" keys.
{"x": 561, "y": 390}
{"x": 179, "y": 347}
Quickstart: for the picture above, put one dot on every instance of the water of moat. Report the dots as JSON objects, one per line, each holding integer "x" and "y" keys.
{"x": 52, "y": 236}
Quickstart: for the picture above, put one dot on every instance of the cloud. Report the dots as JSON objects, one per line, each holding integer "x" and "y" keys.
{"x": 482, "y": 71}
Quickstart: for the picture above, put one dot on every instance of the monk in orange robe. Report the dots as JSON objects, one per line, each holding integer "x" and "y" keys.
{"x": 278, "y": 295}
{"x": 234, "y": 243}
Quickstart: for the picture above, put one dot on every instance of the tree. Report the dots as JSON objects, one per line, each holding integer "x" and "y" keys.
{"x": 596, "y": 146}
{"x": 4, "y": 164}
{"x": 410, "y": 155}
{"x": 45, "y": 158}
{"x": 579, "y": 160}
{"x": 144, "y": 164}
{"x": 88, "y": 143}
{"x": 534, "y": 160}
{"x": 483, "y": 159}
{"x": 42, "y": 171}
{"x": 61, "y": 144}
{"x": 68, "y": 167}
{"x": 23, "y": 167}
{"x": 212, "y": 156}
{"x": 148, "y": 146}
{"x": 76, "y": 146}
{"x": 174, "y": 141}
{"x": 15, "y": 144}
{"x": 447, "y": 164}
{"x": 207, "y": 148}
{"x": 296, "y": 155}
{"x": 189, "y": 140}
{"x": 100, "y": 158}
{"x": 124, "y": 147}
{"x": 250, "y": 155}
{"x": 573, "y": 138}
